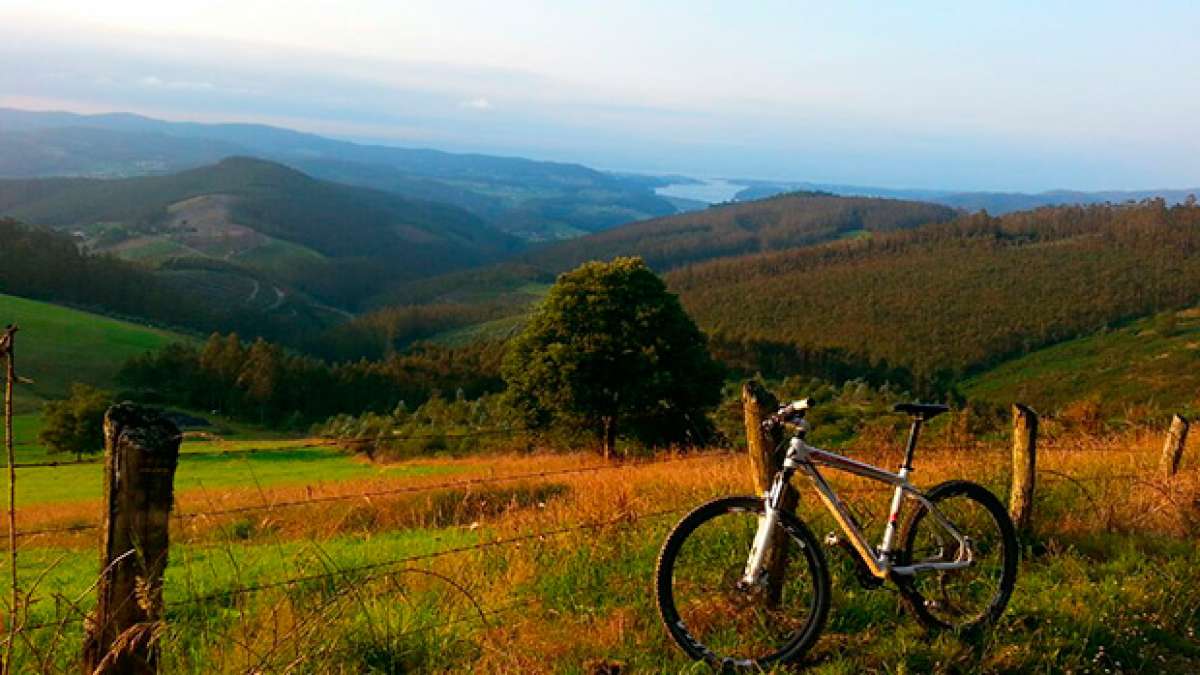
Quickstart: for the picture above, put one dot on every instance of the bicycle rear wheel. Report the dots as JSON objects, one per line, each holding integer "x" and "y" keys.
{"x": 973, "y": 597}
{"x": 712, "y": 616}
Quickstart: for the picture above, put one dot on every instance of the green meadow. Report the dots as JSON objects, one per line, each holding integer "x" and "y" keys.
{"x": 58, "y": 346}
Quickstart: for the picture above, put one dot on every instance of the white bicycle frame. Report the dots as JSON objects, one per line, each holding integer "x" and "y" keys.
{"x": 804, "y": 457}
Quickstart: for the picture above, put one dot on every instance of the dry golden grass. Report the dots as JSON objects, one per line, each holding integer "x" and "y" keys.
{"x": 579, "y": 599}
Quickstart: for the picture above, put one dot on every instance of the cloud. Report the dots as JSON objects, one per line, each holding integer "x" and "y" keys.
{"x": 480, "y": 103}
{"x": 157, "y": 83}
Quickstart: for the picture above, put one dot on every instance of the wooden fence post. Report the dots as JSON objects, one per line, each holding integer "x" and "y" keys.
{"x": 1024, "y": 465}
{"x": 1172, "y": 451}
{"x": 141, "y": 451}
{"x": 8, "y": 351}
{"x": 757, "y": 403}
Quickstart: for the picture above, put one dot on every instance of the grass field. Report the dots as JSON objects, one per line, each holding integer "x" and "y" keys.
{"x": 1149, "y": 364}
{"x": 58, "y": 346}
{"x": 1111, "y": 584}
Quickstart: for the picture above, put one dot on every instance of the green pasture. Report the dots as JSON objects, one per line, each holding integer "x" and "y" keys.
{"x": 58, "y": 346}
{"x": 206, "y": 466}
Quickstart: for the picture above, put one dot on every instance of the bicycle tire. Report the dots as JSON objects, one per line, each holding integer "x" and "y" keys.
{"x": 798, "y": 642}
{"x": 922, "y": 608}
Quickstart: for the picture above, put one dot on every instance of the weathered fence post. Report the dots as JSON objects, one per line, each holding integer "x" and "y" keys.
{"x": 141, "y": 451}
{"x": 1024, "y": 465}
{"x": 8, "y": 351}
{"x": 1172, "y": 451}
{"x": 757, "y": 403}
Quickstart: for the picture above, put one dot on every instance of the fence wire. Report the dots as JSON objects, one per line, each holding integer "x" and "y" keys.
{"x": 389, "y": 492}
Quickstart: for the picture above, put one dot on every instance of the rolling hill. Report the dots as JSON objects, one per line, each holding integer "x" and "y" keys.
{"x": 452, "y": 306}
{"x": 337, "y": 242}
{"x": 535, "y": 200}
{"x": 932, "y": 304}
{"x": 776, "y": 223}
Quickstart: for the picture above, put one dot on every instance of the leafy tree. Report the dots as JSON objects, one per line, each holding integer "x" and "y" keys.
{"x": 76, "y": 424}
{"x": 610, "y": 349}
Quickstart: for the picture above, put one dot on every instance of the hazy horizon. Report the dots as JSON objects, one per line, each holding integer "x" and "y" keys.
{"x": 929, "y": 96}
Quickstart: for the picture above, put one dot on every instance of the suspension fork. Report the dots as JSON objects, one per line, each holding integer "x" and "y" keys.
{"x": 763, "y": 537}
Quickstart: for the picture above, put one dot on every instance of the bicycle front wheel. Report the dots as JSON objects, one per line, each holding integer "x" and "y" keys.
{"x": 712, "y": 615}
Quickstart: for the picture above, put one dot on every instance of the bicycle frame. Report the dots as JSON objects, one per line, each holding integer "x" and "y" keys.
{"x": 806, "y": 458}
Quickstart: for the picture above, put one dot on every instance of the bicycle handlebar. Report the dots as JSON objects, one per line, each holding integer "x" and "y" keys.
{"x": 792, "y": 413}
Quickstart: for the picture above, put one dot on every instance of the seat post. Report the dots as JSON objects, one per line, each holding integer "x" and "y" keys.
{"x": 913, "y": 432}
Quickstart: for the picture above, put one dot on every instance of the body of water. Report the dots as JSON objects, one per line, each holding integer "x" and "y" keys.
{"x": 708, "y": 191}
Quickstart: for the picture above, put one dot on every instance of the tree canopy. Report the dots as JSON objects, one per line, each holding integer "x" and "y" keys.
{"x": 611, "y": 350}
{"x": 76, "y": 424}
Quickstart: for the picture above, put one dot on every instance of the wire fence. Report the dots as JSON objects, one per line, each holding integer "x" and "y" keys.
{"x": 355, "y": 571}
{"x": 374, "y": 570}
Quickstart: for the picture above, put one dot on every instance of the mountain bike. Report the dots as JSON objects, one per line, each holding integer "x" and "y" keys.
{"x": 742, "y": 583}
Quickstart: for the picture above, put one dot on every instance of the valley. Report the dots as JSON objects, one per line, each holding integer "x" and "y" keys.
{"x": 339, "y": 351}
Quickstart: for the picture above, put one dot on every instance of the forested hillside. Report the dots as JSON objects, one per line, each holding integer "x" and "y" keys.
{"x": 48, "y": 265}
{"x": 457, "y": 300}
{"x": 785, "y": 221}
{"x": 934, "y": 303}
{"x": 337, "y": 242}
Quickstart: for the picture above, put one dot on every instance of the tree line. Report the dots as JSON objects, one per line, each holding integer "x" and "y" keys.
{"x": 265, "y": 383}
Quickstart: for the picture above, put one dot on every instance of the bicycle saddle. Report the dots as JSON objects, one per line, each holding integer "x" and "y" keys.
{"x": 925, "y": 411}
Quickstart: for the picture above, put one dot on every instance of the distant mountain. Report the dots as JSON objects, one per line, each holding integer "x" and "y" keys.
{"x": 531, "y": 199}
{"x": 781, "y": 222}
{"x": 995, "y": 203}
{"x": 339, "y": 242}
{"x": 102, "y": 153}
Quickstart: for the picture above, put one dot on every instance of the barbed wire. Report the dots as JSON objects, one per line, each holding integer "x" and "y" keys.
{"x": 389, "y": 492}
{"x": 477, "y": 482}
{"x": 327, "y": 442}
{"x": 354, "y": 570}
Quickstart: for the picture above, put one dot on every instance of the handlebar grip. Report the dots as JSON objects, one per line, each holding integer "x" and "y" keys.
{"x": 791, "y": 413}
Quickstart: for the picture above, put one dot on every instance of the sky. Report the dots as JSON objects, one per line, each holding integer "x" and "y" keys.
{"x": 940, "y": 95}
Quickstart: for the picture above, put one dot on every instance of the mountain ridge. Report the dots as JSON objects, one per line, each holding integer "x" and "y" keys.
{"x": 534, "y": 199}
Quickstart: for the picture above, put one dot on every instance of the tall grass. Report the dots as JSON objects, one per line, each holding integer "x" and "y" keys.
{"x": 1109, "y": 584}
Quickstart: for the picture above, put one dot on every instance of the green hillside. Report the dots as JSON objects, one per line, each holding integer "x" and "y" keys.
{"x": 782, "y": 222}
{"x": 338, "y": 242}
{"x": 933, "y": 304}
{"x": 498, "y": 295}
{"x": 58, "y": 346}
{"x": 336, "y": 219}
{"x": 1153, "y": 363}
